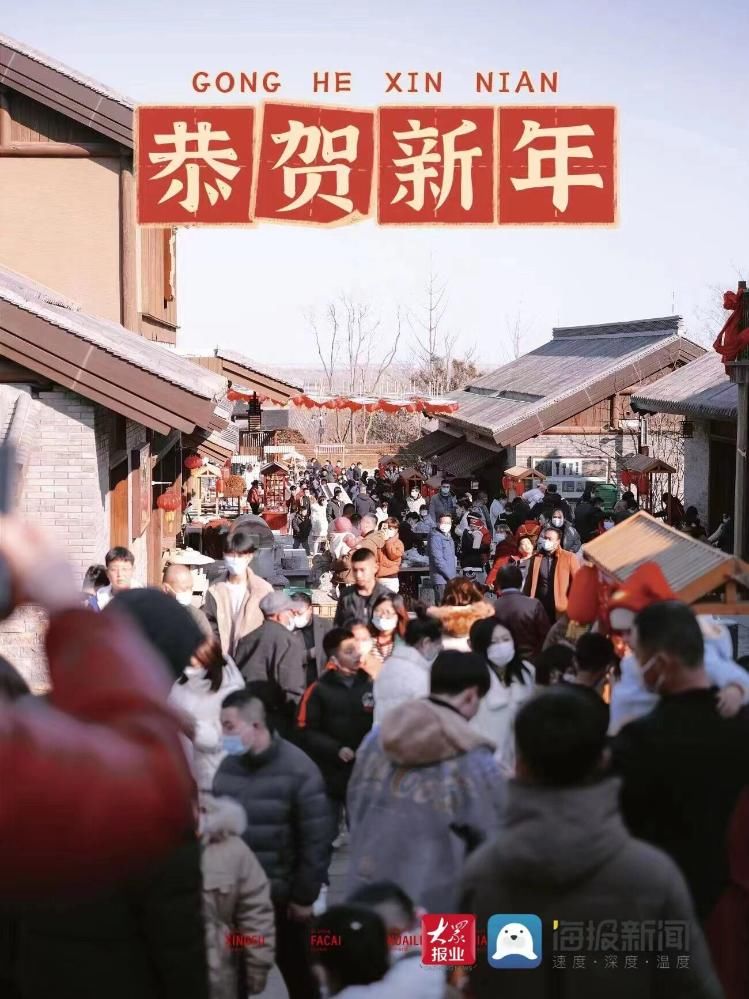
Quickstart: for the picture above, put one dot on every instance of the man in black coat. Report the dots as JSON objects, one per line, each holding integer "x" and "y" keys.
{"x": 526, "y": 618}
{"x": 355, "y": 602}
{"x": 336, "y": 713}
{"x": 683, "y": 765}
{"x": 334, "y": 509}
{"x": 311, "y": 630}
{"x": 288, "y": 826}
{"x": 273, "y": 652}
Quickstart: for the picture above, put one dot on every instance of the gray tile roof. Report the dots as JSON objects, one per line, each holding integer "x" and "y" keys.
{"x": 53, "y": 308}
{"x": 243, "y": 361}
{"x": 565, "y": 376}
{"x": 635, "y": 327}
{"x": 701, "y": 389}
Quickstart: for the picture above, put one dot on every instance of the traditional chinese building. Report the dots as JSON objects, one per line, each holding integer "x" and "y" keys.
{"x": 563, "y": 408}
{"x": 707, "y": 399}
{"x": 90, "y": 391}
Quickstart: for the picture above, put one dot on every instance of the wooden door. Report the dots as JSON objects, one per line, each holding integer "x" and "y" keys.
{"x": 722, "y": 479}
{"x": 119, "y": 505}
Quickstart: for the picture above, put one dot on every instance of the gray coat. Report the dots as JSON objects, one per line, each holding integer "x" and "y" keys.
{"x": 565, "y": 854}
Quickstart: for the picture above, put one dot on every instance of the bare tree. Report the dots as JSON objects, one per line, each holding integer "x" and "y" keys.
{"x": 433, "y": 344}
{"x": 516, "y": 330}
{"x": 355, "y": 353}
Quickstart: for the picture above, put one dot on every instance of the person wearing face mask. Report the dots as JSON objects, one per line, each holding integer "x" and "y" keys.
{"x": 390, "y": 555}
{"x": 311, "y": 629}
{"x": 425, "y": 525}
{"x": 388, "y": 622}
{"x": 288, "y": 825}
{"x": 370, "y": 660}
{"x": 199, "y": 692}
{"x": 570, "y": 538}
{"x": 512, "y": 684}
{"x": 425, "y": 788}
{"x": 415, "y": 500}
{"x": 273, "y": 652}
{"x": 177, "y": 582}
{"x": 684, "y": 767}
{"x": 405, "y": 674}
{"x": 334, "y": 717}
{"x": 550, "y": 573}
{"x": 525, "y": 616}
{"x": 443, "y": 503}
{"x": 232, "y": 605}
{"x": 443, "y": 561}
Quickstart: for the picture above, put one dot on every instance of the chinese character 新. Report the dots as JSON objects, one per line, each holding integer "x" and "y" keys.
{"x": 561, "y": 180}
{"x": 417, "y": 169}
{"x": 336, "y": 148}
{"x": 219, "y": 161}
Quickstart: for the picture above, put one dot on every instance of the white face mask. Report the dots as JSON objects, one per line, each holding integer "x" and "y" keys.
{"x": 184, "y": 598}
{"x": 546, "y": 545}
{"x": 302, "y": 620}
{"x": 290, "y": 625}
{"x": 236, "y": 564}
{"x": 499, "y": 537}
{"x": 501, "y": 653}
{"x": 557, "y": 521}
{"x": 194, "y": 672}
{"x": 430, "y": 651}
{"x": 446, "y": 528}
{"x": 385, "y": 623}
{"x": 445, "y": 490}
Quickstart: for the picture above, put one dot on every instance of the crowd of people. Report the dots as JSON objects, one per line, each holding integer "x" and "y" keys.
{"x": 526, "y": 743}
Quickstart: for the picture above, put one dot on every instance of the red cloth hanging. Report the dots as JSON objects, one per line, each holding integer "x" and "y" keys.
{"x": 626, "y": 478}
{"x": 732, "y": 339}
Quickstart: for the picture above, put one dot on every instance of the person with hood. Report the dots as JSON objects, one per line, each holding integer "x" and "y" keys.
{"x": 463, "y": 604}
{"x": 512, "y": 684}
{"x": 288, "y": 825}
{"x": 426, "y": 789}
{"x": 406, "y": 673}
{"x": 564, "y": 853}
{"x": 199, "y": 692}
{"x": 232, "y": 605}
{"x": 142, "y": 936}
{"x": 238, "y": 912}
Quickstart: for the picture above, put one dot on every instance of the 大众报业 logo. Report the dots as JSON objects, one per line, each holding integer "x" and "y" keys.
{"x": 514, "y": 941}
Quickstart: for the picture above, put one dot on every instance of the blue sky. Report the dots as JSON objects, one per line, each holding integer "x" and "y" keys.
{"x": 676, "y": 71}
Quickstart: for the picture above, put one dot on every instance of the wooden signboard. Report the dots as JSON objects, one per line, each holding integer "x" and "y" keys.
{"x": 142, "y": 500}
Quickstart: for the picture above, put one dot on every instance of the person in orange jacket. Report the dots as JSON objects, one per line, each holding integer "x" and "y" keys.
{"x": 95, "y": 783}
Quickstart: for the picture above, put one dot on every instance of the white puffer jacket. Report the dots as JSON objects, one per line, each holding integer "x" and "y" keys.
{"x": 404, "y": 676}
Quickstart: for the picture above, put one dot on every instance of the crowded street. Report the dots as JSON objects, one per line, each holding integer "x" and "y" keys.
{"x": 350, "y": 646}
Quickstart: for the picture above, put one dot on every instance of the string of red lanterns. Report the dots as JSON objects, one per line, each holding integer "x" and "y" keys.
{"x": 356, "y": 404}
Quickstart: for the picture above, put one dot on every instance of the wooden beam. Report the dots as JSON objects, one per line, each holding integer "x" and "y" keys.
{"x": 5, "y": 119}
{"x": 128, "y": 256}
{"x": 740, "y": 607}
{"x": 60, "y": 150}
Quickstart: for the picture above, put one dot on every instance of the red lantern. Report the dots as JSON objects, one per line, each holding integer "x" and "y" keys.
{"x": 169, "y": 502}
{"x": 507, "y": 483}
{"x": 192, "y": 462}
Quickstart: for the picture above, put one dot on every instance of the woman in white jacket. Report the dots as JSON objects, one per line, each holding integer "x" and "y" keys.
{"x": 512, "y": 683}
{"x": 319, "y": 531}
{"x": 199, "y": 693}
{"x": 406, "y": 673}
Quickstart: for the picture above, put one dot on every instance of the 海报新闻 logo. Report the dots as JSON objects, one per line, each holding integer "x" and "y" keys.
{"x": 514, "y": 940}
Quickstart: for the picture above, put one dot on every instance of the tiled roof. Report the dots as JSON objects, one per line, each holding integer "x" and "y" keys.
{"x": 701, "y": 389}
{"x": 464, "y": 459}
{"x": 429, "y": 445}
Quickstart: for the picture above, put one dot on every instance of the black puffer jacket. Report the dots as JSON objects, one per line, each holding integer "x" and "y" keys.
{"x": 334, "y": 714}
{"x": 288, "y": 816}
{"x": 144, "y": 938}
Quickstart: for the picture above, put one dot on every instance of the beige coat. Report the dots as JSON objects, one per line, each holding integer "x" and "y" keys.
{"x": 217, "y": 608}
{"x": 238, "y": 912}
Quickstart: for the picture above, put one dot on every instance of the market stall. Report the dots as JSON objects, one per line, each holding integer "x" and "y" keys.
{"x": 637, "y": 472}
{"x": 518, "y": 478}
{"x": 275, "y": 477}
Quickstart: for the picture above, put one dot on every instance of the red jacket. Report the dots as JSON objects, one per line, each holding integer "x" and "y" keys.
{"x": 95, "y": 782}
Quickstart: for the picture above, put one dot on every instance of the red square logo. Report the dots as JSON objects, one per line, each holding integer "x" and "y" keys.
{"x": 315, "y": 164}
{"x": 436, "y": 165}
{"x": 557, "y": 165}
{"x": 194, "y": 165}
{"x": 448, "y": 939}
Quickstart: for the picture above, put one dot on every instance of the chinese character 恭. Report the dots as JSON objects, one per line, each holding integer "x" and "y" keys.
{"x": 309, "y": 142}
{"x": 561, "y": 180}
{"x": 220, "y": 161}
{"x": 416, "y": 169}
{"x": 578, "y": 961}
{"x": 611, "y": 961}
{"x": 662, "y": 962}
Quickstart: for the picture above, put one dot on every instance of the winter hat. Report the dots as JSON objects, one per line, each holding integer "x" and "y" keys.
{"x": 164, "y": 623}
{"x": 341, "y": 525}
{"x": 647, "y": 585}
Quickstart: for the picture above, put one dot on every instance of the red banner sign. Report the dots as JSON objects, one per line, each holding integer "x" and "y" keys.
{"x": 321, "y": 166}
